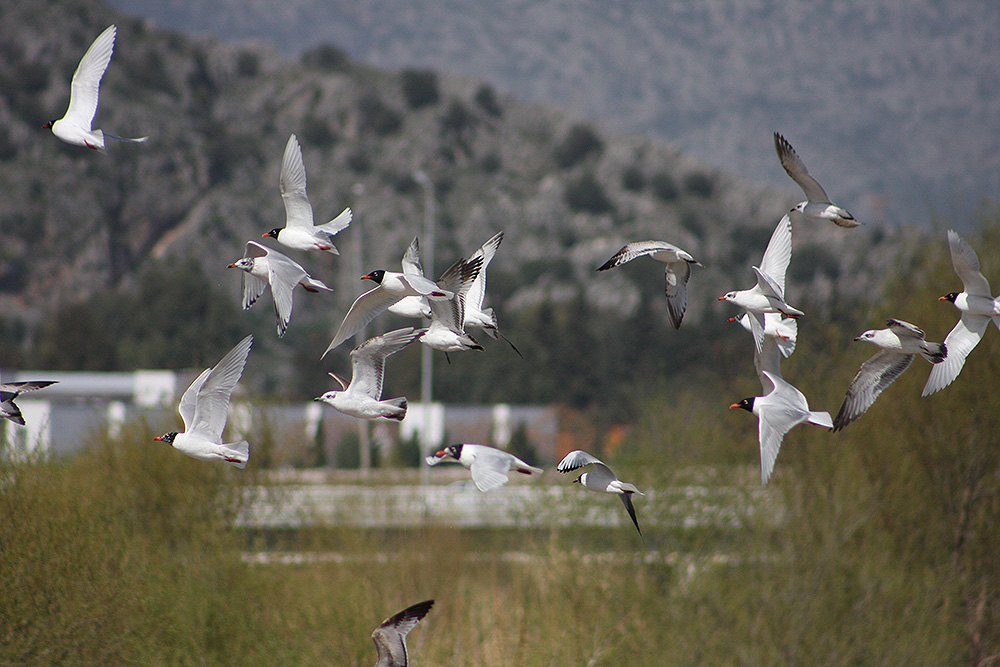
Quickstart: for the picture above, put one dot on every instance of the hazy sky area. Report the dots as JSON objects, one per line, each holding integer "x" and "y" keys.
{"x": 893, "y": 105}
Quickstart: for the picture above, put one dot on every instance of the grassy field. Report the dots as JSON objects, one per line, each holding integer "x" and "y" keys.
{"x": 886, "y": 551}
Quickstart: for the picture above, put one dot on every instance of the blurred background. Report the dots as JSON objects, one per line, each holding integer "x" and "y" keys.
{"x": 574, "y": 128}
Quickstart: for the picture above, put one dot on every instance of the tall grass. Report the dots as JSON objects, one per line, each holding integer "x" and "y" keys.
{"x": 884, "y": 551}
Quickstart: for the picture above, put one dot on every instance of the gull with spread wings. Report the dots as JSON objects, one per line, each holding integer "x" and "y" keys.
{"x": 204, "y": 408}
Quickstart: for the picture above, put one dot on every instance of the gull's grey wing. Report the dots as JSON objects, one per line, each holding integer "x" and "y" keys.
{"x": 16, "y": 388}
{"x": 635, "y": 249}
{"x": 490, "y": 467}
{"x": 211, "y": 406}
{"x": 364, "y": 309}
{"x": 966, "y": 264}
{"x": 189, "y": 399}
{"x": 368, "y": 359}
{"x": 905, "y": 329}
{"x": 676, "y": 278}
{"x": 253, "y": 286}
{"x": 284, "y": 275}
{"x": 298, "y": 211}
{"x": 577, "y": 459}
{"x": 767, "y": 358}
{"x": 871, "y": 380}
{"x": 85, "y": 89}
{"x": 795, "y": 168}
{"x": 768, "y": 285}
{"x": 451, "y": 312}
{"x": 457, "y": 279}
{"x": 390, "y": 635}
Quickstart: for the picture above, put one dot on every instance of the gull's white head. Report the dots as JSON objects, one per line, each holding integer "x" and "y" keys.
{"x": 867, "y": 336}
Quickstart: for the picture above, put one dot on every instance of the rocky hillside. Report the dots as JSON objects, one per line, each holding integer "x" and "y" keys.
{"x": 894, "y": 103}
{"x": 77, "y": 224}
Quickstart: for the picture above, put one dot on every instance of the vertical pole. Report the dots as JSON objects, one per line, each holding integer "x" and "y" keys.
{"x": 364, "y": 443}
{"x": 426, "y": 360}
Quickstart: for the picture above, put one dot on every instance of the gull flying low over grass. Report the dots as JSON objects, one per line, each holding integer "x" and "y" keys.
{"x": 11, "y": 390}
{"x": 777, "y": 412}
{"x": 489, "y": 466}
{"x": 75, "y": 127}
{"x": 899, "y": 343}
{"x": 263, "y": 267}
{"x": 362, "y": 397}
{"x": 204, "y": 408}
{"x": 978, "y": 307}
{"x": 299, "y": 232}
{"x": 390, "y": 635}
{"x": 601, "y": 478}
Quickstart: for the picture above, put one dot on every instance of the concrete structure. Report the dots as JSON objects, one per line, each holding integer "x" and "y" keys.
{"x": 62, "y": 418}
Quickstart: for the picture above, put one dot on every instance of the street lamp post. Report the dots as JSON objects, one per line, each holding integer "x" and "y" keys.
{"x": 364, "y": 447}
{"x": 426, "y": 360}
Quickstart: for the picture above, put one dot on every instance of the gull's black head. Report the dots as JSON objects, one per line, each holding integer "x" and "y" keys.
{"x": 273, "y": 234}
{"x": 746, "y": 404}
{"x": 579, "y": 479}
{"x": 451, "y": 451}
{"x": 167, "y": 437}
{"x": 375, "y": 276}
{"x": 950, "y": 296}
{"x": 48, "y": 125}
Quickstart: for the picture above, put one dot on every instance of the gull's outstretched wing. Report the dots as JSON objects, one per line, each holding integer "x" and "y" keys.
{"x": 86, "y": 84}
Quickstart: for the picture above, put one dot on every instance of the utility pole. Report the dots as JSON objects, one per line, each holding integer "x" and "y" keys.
{"x": 364, "y": 441}
{"x": 426, "y": 360}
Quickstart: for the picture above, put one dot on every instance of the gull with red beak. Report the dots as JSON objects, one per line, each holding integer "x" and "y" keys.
{"x": 978, "y": 307}
{"x": 489, "y": 466}
{"x": 299, "y": 232}
{"x": 777, "y": 412}
{"x": 390, "y": 287}
{"x": 75, "y": 127}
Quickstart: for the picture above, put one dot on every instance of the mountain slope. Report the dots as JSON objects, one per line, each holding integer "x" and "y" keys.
{"x": 77, "y": 224}
{"x": 893, "y": 103}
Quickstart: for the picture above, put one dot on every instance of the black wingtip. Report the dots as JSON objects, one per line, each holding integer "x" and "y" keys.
{"x": 414, "y": 612}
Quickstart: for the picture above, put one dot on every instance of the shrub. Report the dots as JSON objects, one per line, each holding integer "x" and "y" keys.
{"x": 318, "y": 132}
{"x": 664, "y": 186}
{"x": 586, "y": 195}
{"x": 487, "y": 100}
{"x": 579, "y": 143}
{"x": 633, "y": 179}
{"x": 248, "y": 64}
{"x": 699, "y": 184}
{"x": 326, "y": 57}
{"x": 420, "y": 88}
{"x": 456, "y": 120}
{"x": 377, "y": 116}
